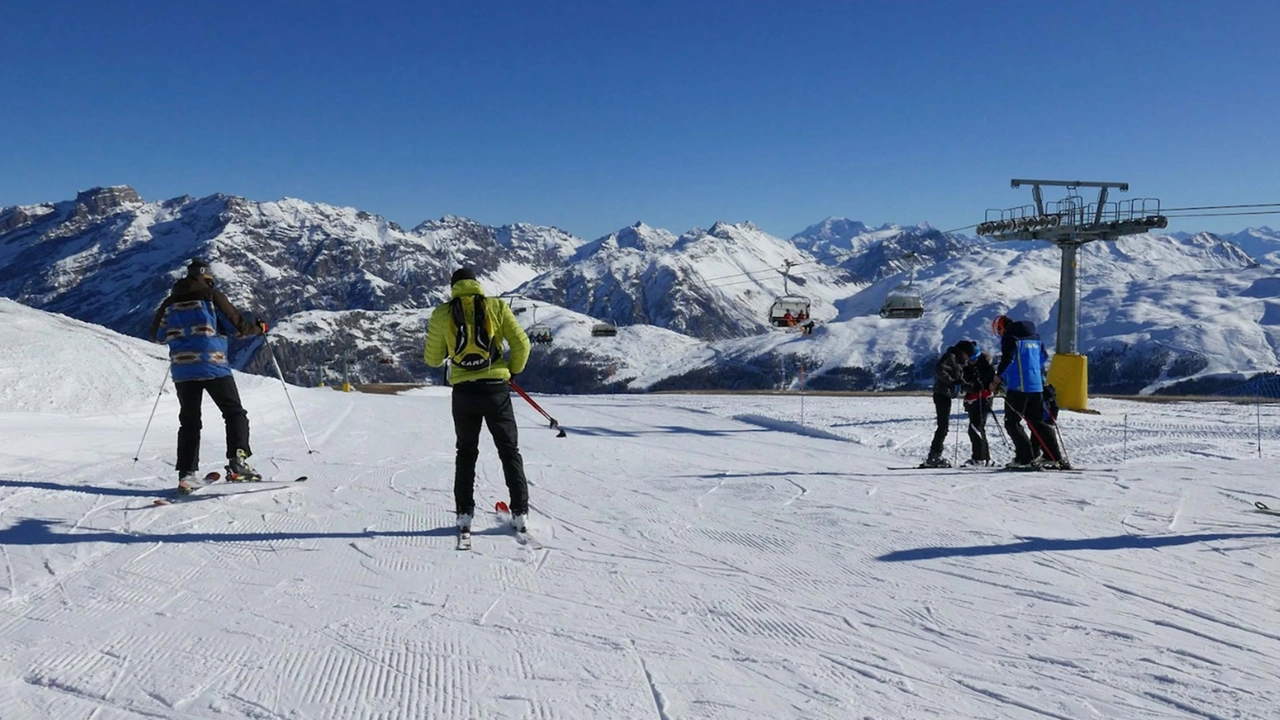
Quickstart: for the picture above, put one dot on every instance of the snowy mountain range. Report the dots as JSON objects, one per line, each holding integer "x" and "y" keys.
{"x": 347, "y": 291}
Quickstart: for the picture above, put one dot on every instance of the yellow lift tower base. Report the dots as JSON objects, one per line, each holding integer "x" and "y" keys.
{"x": 1069, "y": 375}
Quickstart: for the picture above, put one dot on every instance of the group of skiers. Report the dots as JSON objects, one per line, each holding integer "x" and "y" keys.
{"x": 964, "y": 370}
{"x": 486, "y": 348}
{"x": 470, "y": 331}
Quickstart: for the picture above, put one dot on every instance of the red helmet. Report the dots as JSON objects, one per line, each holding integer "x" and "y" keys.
{"x": 1000, "y": 324}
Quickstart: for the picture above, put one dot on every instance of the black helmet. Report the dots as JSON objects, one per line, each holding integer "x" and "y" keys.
{"x": 199, "y": 268}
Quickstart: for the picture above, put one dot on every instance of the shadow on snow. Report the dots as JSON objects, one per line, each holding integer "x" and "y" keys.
{"x": 1113, "y": 542}
{"x": 87, "y": 489}
{"x": 762, "y": 474}
{"x": 40, "y": 532}
{"x": 653, "y": 430}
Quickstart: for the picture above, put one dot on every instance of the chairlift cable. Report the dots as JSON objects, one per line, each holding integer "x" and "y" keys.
{"x": 1226, "y": 214}
{"x": 1220, "y": 207}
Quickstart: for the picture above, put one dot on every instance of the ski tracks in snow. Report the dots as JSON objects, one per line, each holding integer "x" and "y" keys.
{"x": 693, "y": 566}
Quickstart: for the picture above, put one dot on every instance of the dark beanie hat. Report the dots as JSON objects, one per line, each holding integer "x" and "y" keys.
{"x": 967, "y": 347}
{"x": 462, "y": 274}
{"x": 199, "y": 268}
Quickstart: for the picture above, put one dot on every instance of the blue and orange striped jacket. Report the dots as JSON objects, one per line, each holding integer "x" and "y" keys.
{"x": 195, "y": 321}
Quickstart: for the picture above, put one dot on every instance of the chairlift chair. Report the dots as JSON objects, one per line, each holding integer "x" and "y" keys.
{"x": 539, "y": 334}
{"x": 904, "y": 302}
{"x": 604, "y": 328}
{"x": 795, "y": 305}
{"x": 798, "y": 307}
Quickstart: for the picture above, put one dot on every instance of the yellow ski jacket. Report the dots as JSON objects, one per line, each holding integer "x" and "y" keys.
{"x": 505, "y": 328}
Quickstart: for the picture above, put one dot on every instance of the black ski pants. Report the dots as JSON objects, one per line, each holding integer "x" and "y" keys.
{"x": 487, "y": 402}
{"x": 1029, "y": 406}
{"x": 979, "y": 410}
{"x": 941, "y": 403}
{"x": 224, "y": 394}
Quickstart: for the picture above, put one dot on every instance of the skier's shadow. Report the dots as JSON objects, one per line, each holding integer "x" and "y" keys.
{"x": 589, "y": 430}
{"x": 1035, "y": 544}
{"x": 86, "y": 489}
{"x": 777, "y": 473}
{"x": 34, "y": 531}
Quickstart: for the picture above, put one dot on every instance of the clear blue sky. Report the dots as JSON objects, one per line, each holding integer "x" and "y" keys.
{"x": 593, "y": 114}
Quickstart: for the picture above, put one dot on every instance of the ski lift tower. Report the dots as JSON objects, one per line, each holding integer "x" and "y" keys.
{"x": 1070, "y": 223}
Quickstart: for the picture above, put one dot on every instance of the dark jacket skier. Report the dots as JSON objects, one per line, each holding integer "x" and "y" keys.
{"x": 947, "y": 376}
{"x": 1023, "y": 364}
{"x": 195, "y": 321}
{"x": 978, "y": 375}
{"x": 469, "y": 331}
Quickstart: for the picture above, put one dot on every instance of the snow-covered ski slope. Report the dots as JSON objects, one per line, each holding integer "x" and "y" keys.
{"x": 695, "y": 557}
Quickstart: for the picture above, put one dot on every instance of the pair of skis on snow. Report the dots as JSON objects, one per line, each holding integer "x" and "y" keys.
{"x": 993, "y": 469}
{"x": 504, "y": 516}
{"x": 190, "y": 491}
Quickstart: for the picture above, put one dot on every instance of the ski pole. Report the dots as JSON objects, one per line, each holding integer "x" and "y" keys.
{"x": 955, "y": 439}
{"x": 981, "y": 432}
{"x": 280, "y": 375}
{"x": 1062, "y": 446}
{"x": 1043, "y": 445}
{"x": 1124, "y": 451}
{"x": 528, "y": 399}
{"x": 163, "y": 382}
{"x": 992, "y": 414}
{"x": 1034, "y": 433}
{"x": 1004, "y": 439}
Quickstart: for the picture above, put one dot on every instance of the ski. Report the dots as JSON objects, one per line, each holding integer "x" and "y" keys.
{"x": 1259, "y": 506}
{"x": 991, "y": 468}
{"x": 522, "y": 535}
{"x": 277, "y": 481}
{"x": 187, "y": 489}
{"x": 194, "y": 493}
{"x": 464, "y": 538}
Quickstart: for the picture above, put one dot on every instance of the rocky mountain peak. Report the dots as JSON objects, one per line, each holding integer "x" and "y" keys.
{"x": 445, "y": 223}
{"x": 13, "y": 218}
{"x": 103, "y": 200}
{"x": 721, "y": 229}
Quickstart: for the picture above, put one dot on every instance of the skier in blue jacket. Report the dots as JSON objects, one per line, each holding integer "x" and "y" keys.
{"x": 1023, "y": 364}
{"x": 195, "y": 321}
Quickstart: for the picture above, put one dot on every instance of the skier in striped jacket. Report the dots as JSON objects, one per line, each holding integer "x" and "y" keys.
{"x": 195, "y": 321}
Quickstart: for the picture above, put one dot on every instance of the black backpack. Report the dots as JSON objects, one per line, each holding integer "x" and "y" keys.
{"x": 473, "y": 345}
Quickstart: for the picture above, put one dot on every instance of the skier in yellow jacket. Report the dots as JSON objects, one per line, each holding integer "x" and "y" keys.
{"x": 469, "y": 331}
